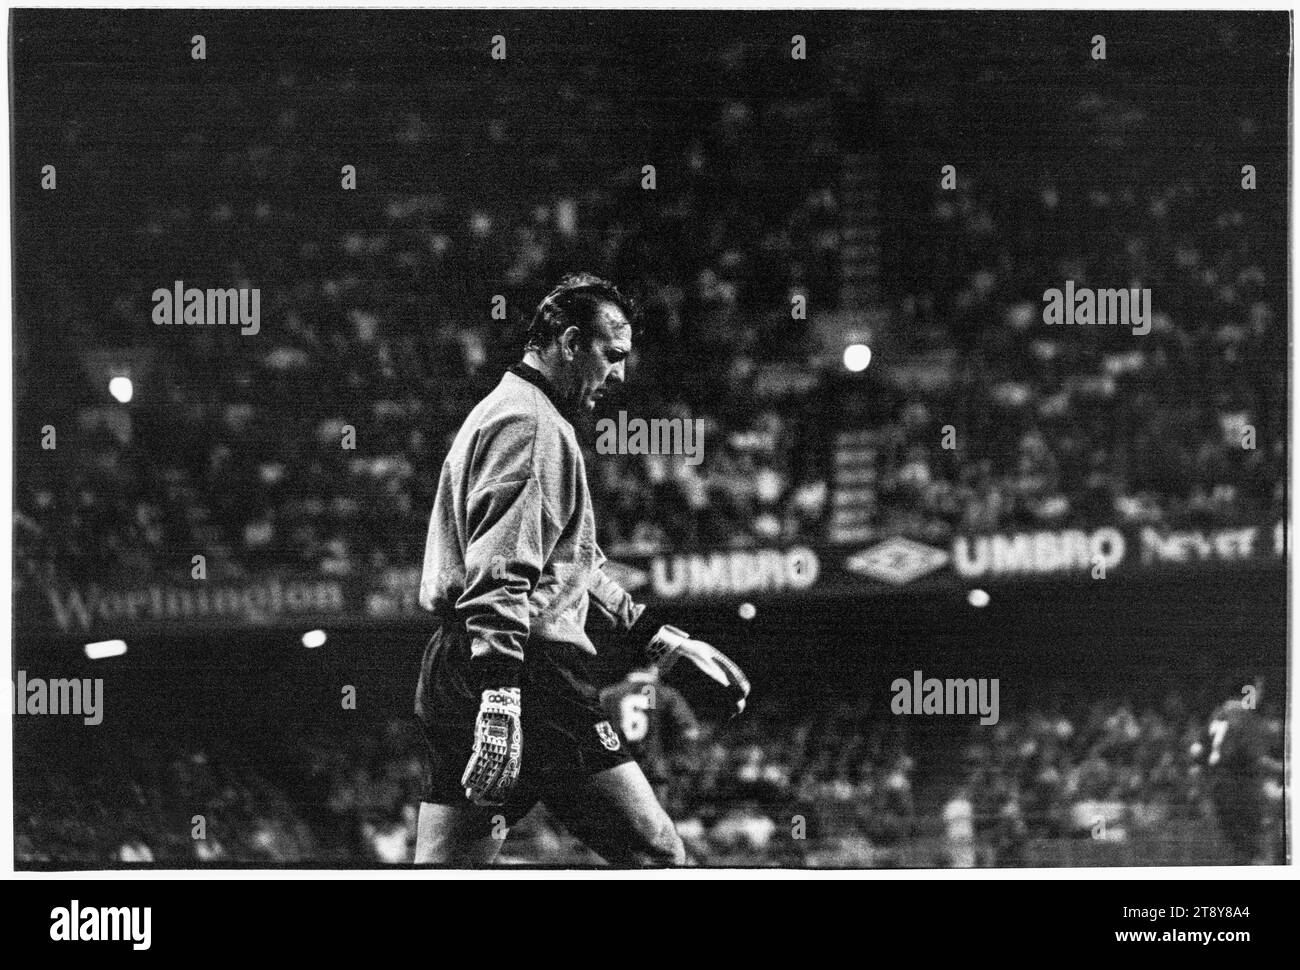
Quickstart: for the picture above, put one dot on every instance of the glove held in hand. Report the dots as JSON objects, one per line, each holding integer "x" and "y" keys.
{"x": 494, "y": 765}
{"x": 708, "y": 678}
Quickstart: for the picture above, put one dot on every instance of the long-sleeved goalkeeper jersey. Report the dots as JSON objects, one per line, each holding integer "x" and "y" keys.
{"x": 511, "y": 549}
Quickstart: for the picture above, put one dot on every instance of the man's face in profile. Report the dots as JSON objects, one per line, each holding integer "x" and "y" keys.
{"x": 597, "y": 371}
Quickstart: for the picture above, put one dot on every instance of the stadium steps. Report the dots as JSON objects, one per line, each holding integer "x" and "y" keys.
{"x": 860, "y": 230}
{"x": 852, "y": 495}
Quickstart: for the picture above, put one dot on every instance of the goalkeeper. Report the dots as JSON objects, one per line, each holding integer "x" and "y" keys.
{"x": 506, "y": 695}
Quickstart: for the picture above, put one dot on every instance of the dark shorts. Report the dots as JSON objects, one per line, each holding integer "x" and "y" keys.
{"x": 1239, "y": 805}
{"x": 566, "y": 735}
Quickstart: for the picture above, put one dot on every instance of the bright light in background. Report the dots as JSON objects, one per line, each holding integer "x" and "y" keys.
{"x": 105, "y": 648}
{"x": 120, "y": 388}
{"x": 747, "y": 611}
{"x": 977, "y": 598}
{"x": 313, "y": 638}
{"x": 857, "y": 357}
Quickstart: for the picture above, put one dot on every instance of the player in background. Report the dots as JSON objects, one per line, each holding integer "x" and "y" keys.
{"x": 659, "y": 728}
{"x": 1237, "y": 765}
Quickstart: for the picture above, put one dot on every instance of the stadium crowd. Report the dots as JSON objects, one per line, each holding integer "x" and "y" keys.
{"x": 772, "y": 789}
{"x": 1108, "y": 771}
{"x": 1184, "y": 426}
{"x": 239, "y": 446}
{"x": 316, "y": 443}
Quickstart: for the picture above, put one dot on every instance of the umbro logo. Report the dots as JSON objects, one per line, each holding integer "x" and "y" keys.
{"x": 897, "y": 561}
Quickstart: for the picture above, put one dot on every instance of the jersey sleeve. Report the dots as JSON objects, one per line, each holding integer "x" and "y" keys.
{"x": 510, "y": 536}
{"x": 614, "y": 606}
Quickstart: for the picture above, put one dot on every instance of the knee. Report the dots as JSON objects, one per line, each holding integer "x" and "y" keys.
{"x": 664, "y": 847}
{"x": 456, "y": 835}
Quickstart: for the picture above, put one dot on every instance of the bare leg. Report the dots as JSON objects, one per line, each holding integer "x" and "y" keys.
{"x": 459, "y": 835}
{"x": 617, "y": 815}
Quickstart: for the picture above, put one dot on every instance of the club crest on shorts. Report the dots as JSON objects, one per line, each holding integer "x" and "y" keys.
{"x": 608, "y": 736}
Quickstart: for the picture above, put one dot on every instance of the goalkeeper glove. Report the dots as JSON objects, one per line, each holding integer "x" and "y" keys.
{"x": 708, "y": 678}
{"x": 494, "y": 765}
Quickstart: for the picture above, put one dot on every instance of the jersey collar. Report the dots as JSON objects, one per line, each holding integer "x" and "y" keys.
{"x": 533, "y": 376}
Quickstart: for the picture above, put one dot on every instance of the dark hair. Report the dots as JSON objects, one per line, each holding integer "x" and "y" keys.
{"x": 575, "y": 302}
